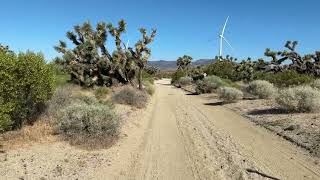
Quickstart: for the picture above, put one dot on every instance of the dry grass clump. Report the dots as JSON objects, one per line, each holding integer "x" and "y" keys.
{"x": 40, "y": 131}
{"x": 261, "y": 89}
{"x": 230, "y": 94}
{"x": 101, "y": 92}
{"x": 149, "y": 87}
{"x": 300, "y": 99}
{"x": 131, "y": 96}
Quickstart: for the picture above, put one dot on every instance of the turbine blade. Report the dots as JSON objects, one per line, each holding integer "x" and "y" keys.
{"x": 227, "y": 42}
{"x": 224, "y": 26}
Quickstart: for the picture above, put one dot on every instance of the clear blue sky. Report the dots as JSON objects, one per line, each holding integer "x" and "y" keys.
{"x": 184, "y": 26}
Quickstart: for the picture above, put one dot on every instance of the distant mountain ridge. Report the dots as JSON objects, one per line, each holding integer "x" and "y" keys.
{"x": 170, "y": 65}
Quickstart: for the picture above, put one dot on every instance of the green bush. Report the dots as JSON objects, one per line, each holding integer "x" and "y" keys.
{"x": 224, "y": 69}
{"x": 211, "y": 84}
{"x": 230, "y": 94}
{"x": 131, "y": 96}
{"x": 83, "y": 123}
{"x": 261, "y": 89}
{"x": 26, "y": 83}
{"x": 148, "y": 77}
{"x": 300, "y": 99}
{"x": 285, "y": 79}
{"x": 177, "y": 75}
{"x": 184, "y": 81}
{"x": 101, "y": 92}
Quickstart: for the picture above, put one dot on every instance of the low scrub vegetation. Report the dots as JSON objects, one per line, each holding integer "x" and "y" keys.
{"x": 287, "y": 78}
{"x": 149, "y": 87}
{"x": 89, "y": 122}
{"x": 131, "y": 96}
{"x": 299, "y": 99}
{"x": 177, "y": 75}
{"x": 101, "y": 92}
{"x": 261, "y": 89}
{"x": 184, "y": 81}
{"x": 230, "y": 94}
{"x": 316, "y": 84}
{"x": 211, "y": 84}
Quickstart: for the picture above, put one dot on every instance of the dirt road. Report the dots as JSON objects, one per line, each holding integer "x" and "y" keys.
{"x": 178, "y": 136}
{"x": 189, "y": 138}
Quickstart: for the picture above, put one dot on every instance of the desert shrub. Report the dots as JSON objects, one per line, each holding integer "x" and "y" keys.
{"x": 61, "y": 99}
{"x": 210, "y": 84}
{"x": 131, "y": 96}
{"x": 101, "y": 92}
{"x": 300, "y": 98}
{"x": 184, "y": 81}
{"x": 5, "y": 118}
{"x": 285, "y": 79}
{"x": 26, "y": 83}
{"x": 230, "y": 94}
{"x": 316, "y": 84}
{"x": 148, "y": 87}
{"x": 223, "y": 69}
{"x": 148, "y": 77}
{"x": 177, "y": 75}
{"x": 83, "y": 123}
{"x": 261, "y": 88}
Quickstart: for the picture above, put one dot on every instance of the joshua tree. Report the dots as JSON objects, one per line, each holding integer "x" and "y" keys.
{"x": 5, "y": 49}
{"x": 141, "y": 53}
{"x": 184, "y": 62}
{"x": 90, "y": 62}
{"x": 246, "y": 69}
{"x": 303, "y": 64}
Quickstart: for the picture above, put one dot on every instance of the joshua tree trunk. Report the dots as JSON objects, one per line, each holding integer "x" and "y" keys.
{"x": 140, "y": 78}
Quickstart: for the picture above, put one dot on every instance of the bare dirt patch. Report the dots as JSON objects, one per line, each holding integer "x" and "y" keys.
{"x": 302, "y": 129}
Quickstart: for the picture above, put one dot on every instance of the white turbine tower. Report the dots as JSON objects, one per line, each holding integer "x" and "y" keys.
{"x": 222, "y": 38}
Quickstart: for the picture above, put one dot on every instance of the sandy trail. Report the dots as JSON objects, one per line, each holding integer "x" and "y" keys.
{"x": 178, "y": 136}
{"x": 189, "y": 138}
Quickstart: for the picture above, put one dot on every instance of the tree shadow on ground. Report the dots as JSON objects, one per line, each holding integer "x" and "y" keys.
{"x": 220, "y": 103}
{"x": 268, "y": 111}
{"x": 192, "y": 94}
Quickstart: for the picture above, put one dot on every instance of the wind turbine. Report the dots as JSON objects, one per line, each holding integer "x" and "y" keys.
{"x": 222, "y": 38}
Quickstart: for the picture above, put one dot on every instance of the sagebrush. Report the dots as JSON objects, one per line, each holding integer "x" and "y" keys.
{"x": 300, "y": 99}
{"x": 94, "y": 123}
{"x": 230, "y": 94}
{"x": 184, "y": 81}
{"x": 261, "y": 89}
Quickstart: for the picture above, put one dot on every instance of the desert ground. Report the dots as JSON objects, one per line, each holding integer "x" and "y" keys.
{"x": 178, "y": 136}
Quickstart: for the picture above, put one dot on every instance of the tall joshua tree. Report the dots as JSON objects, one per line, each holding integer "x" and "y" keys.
{"x": 141, "y": 52}
{"x": 90, "y": 63}
{"x": 184, "y": 62}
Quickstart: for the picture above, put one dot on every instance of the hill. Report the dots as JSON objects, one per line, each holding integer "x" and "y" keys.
{"x": 168, "y": 65}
